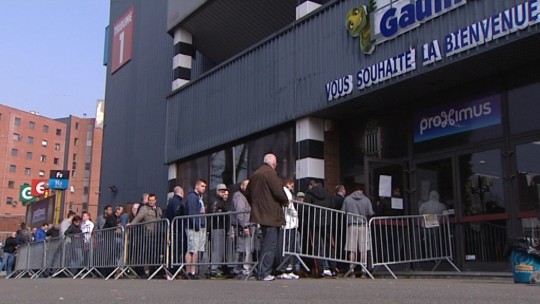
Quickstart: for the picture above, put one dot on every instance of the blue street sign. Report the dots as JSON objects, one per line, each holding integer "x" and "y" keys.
{"x": 58, "y": 184}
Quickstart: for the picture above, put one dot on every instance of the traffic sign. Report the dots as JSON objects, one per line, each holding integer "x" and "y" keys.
{"x": 58, "y": 184}
{"x": 38, "y": 186}
{"x": 25, "y": 194}
{"x": 59, "y": 179}
{"x": 59, "y": 174}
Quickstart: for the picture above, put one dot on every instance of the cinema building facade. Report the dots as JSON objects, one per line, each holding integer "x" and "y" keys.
{"x": 427, "y": 95}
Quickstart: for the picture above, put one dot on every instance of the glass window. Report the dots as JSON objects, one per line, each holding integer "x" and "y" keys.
{"x": 282, "y": 144}
{"x": 76, "y": 126}
{"x": 524, "y": 112}
{"x": 17, "y": 136}
{"x": 9, "y": 200}
{"x": 58, "y": 132}
{"x": 481, "y": 183}
{"x": 44, "y": 143}
{"x": 14, "y": 152}
{"x": 75, "y": 141}
{"x": 27, "y": 171}
{"x": 11, "y": 184}
{"x": 17, "y": 121}
{"x": 192, "y": 170}
{"x": 43, "y": 158}
{"x": 30, "y": 140}
{"x": 435, "y": 176}
{"x": 28, "y": 155}
{"x": 45, "y": 129}
{"x": 41, "y": 173}
{"x": 528, "y": 175}
{"x": 12, "y": 168}
{"x": 56, "y": 160}
{"x": 31, "y": 125}
{"x": 57, "y": 147}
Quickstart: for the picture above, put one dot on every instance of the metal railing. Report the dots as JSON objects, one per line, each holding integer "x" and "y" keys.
{"x": 329, "y": 236}
{"x": 326, "y": 235}
{"x": 407, "y": 239}
{"x": 148, "y": 246}
{"x": 215, "y": 245}
{"x": 107, "y": 252}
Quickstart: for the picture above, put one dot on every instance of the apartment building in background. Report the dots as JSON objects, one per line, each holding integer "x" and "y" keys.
{"x": 33, "y": 145}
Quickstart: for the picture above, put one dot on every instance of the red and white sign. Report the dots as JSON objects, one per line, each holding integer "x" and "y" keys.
{"x": 38, "y": 187}
{"x": 122, "y": 40}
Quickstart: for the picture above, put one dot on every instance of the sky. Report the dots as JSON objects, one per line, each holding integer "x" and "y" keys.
{"x": 51, "y": 55}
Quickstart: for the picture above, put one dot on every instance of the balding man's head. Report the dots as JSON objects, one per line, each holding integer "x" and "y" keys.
{"x": 178, "y": 191}
{"x": 270, "y": 159}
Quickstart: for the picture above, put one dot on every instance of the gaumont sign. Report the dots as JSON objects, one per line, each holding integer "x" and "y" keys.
{"x": 397, "y": 17}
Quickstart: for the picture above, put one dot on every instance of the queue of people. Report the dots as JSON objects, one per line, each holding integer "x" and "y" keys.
{"x": 230, "y": 234}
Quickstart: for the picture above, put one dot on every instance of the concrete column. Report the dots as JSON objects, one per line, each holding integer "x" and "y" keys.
{"x": 310, "y": 151}
{"x": 305, "y": 7}
{"x": 183, "y": 57}
{"x": 171, "y": 180}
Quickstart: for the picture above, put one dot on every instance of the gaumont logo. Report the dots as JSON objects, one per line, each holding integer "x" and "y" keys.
{"x": 382, "y": 20}
{"x": 358, "y": 24}
{"x": 457, "y": 118}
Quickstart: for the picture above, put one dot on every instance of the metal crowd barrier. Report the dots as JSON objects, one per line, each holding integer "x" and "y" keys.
{"x": 37, "y": 258}
{"x": 107, "y": 252}
{"x": 74, "y": 256}
{"x": 327, "y": 235}
{"x": 21, "y": 262}
{"x": 407, "y": 239}
{"x": 226, "y": 249}
{"x": 54, "y": 255}
{"x": 148, "y": 245}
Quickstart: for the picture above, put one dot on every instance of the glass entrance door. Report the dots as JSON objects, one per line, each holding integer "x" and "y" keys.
{"x": 385, "y": 184}
{"x": 483, "y": 210}
{"x": 527, "y": 183}
{"x": 471, "y": 187}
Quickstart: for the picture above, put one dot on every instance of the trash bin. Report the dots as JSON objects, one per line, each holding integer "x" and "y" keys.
{"x": 525, "y": 261}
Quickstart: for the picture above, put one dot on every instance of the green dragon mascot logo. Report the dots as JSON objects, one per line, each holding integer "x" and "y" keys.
{"x": 358, "y": 25}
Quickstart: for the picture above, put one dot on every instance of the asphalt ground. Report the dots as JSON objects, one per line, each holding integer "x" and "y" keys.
{"x": 61, "y": 290}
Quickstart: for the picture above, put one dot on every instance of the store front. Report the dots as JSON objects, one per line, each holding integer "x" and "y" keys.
{"x": 475, "y": 144}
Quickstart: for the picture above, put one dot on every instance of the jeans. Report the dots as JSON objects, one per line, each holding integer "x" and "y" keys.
{"x": 9, "y": 261}
{"x": 268, "y": 250}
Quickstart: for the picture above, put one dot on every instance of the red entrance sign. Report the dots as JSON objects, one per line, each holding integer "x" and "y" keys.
{"x": 38, "y": 187}
{"x": 122, "y": 40}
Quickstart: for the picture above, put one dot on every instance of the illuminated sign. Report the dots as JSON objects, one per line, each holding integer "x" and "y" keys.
{"x": 401, "y": 16}
{"x": 457, "y": 118}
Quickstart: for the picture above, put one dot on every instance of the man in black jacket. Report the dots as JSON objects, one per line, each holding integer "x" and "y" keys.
{"x": 319, "y": 225}
{"x": 9, "y": 253}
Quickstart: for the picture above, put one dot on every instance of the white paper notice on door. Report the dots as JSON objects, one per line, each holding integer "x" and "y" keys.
{"x": 385, "y": 186}
{"x": 397, "y": 203}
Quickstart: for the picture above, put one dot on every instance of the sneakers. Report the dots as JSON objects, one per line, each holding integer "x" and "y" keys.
{"x": 292, "y": 276}
{"x": 216, "y": 275}
{"x": 288, "y": 276}
{"x": 192, "y": 276}
{"x": 327, "y": 273}
{"x": 269, "y": 278}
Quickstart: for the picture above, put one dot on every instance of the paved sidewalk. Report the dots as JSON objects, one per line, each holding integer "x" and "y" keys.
{"x": 26, "y": 291}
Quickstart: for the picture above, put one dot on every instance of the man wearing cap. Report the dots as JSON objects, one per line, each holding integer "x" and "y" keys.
{"x": 218, "y": 226}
